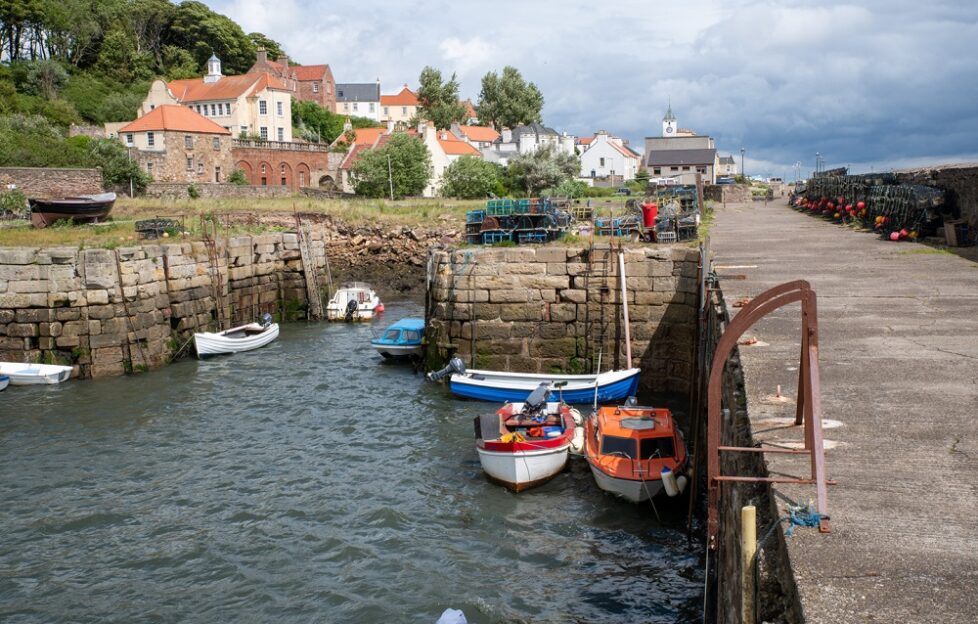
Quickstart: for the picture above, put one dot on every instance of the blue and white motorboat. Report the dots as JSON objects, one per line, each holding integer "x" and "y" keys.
{"x": 4, "y": 382}
{"x": 402, "y": 339}
{"x": 499, "y": 387}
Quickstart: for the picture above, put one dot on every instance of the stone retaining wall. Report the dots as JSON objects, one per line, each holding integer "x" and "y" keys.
{"x": 732, "y": 193}
{"x": 110, "y": 311}
{"x": 178, "y": 190}
{"x": 537, "y": 310}
{"x": 960, "y": 184}
{"x": 51, "y": 182}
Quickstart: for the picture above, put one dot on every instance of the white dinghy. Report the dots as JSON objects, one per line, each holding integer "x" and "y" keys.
{"x": 34, "y": 374}
{"x": 237, "y": 339}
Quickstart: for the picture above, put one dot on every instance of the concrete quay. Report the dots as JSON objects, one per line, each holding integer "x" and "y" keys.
{"x": 898, "y": 330}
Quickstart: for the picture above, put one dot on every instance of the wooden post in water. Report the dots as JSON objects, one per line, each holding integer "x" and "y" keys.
{"x": 624, "y": 307}
{"x": 748, "y": 546}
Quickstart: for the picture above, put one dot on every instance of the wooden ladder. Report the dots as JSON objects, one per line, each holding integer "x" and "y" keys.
{"x": 217, "y": 282}
{"x": 313, "y": 294}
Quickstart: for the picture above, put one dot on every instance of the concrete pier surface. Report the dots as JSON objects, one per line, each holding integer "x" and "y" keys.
{"x": 898, "y": 330}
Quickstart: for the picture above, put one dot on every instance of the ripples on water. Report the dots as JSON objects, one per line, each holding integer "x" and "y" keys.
{"x": 308, "y": 481}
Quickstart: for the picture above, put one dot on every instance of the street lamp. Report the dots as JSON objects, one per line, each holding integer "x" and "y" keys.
{"x": 742, "y": 150}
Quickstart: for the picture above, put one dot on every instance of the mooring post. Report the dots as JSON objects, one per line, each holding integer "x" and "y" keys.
{"x": 748, "y": 546}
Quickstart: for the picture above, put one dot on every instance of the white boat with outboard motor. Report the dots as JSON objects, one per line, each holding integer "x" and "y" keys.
{"x": 237, "y": 339}
{"x": 354, "y": 301}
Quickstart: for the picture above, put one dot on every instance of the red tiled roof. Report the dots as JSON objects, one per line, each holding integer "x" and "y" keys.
{"x": 586, "y": 140}
{"x": 454, "y": 146}
{"x": 482, "y": 134}
{"x": 310, "y": 72}
{"x": 228, "y": 87}
{"x": 406, "y": 97}
{"x": 173, "y": 117}
{"x": 470, "y": 110}
{"x": 627, "y": 153}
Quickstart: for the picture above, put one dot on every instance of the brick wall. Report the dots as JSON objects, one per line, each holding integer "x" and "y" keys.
{"x": 536, "y": 310}
{"x": 299, "y": 167}
{"x": 50, "y": 182}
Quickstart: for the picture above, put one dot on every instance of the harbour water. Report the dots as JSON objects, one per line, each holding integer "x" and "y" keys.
{"x": 306, "y": 482}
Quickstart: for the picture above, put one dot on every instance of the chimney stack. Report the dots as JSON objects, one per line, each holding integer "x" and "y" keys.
{"x": 262, "y": 55}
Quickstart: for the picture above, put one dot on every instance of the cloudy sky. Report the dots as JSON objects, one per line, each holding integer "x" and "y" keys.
{"x": 875, "y": 84}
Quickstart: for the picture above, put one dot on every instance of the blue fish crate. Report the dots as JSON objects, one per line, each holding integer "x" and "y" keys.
{"x": 532, "y": 236}
{"x": 473, "y": 239}
{"x": 522, "y": 206}
{"x": 475, "y": 216}
{"x": 496, "y": 236}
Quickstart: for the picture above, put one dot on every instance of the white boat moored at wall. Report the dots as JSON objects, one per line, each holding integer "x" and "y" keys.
{"x": 34, "y": 374}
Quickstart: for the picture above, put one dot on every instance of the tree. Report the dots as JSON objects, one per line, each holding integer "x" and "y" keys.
{"x": 407, "y": 170}
{"x": 541, "y": 169}
{"x": 274, "y": 48}
{"x": 119, "y": 60}
{"x": 178, "y": 63}
{"x": 469, "y": 177}
{"x": 316, "y": 122}
{"x": 202, "y": 32}
{"x": 45, "y": 79}
{"x": 439, "y": 101}
{"x": 508, "y": 100}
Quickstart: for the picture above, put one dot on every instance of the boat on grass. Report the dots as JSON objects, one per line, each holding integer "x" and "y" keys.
{"x": 402, "y": 339}
{"x": 525, "y": 444}
{"x": 34, "y": 374}
{"x": 355, "y": 301}
{"x": 237, "y": 339}
{"x": 80, "y": 209}
{"x": 635, "y": 452}
{"x": 499, "y": 386}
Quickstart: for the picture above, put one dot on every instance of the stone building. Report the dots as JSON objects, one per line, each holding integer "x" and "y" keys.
{"x": 307, "y": 83}
{"x": 680, "y": 154}
{"x": 175, "y": 144}
{"x": 257, "y": 105}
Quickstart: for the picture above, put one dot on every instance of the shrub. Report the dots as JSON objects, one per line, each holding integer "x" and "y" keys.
{"x": 13, "y": 201}
{"x": 193, "y": 191}
{"x": 238, "y": 177}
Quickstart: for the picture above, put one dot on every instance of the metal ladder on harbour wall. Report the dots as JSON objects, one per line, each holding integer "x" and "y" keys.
{"x": 217, "y": 282}
{"x": 313, "y": 294}
{"x": 599, "y": 265}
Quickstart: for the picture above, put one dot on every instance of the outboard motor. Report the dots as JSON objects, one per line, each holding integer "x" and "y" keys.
{"x": 455, "y": 367}
{"x": 266, "y": 320}
{"x": 537, "y": 399}
{"x": 351, "y": 309}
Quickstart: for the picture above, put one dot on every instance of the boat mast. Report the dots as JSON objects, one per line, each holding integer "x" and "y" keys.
{"x": 624, "y": 308}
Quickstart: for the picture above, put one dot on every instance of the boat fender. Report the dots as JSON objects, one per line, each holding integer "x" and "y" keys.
{"x": 681, "y": 481}
{"x": 577, "y": 442}
{"x": 669, "y": 481}
{"x": 576, "y": 415}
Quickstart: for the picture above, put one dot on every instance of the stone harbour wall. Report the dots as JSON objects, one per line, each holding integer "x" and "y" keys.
{"x": 547, "y": 309}
{"x": 213, "y": 190}
{"x": 112, "y": 311}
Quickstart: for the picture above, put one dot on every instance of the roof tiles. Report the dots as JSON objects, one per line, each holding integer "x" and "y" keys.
{"x": 174, "y": 118}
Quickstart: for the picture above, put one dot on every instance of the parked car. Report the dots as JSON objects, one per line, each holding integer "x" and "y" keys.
{"x": 623, "y": 191}
{"x": 726, "y": 181}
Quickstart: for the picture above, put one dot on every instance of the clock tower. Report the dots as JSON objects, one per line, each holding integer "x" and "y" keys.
{"x": 669, "y": 125}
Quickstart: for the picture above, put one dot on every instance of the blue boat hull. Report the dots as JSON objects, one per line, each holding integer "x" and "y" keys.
{"x": 615, "y": 391}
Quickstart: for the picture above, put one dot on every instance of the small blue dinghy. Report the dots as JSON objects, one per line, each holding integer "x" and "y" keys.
{"x": 402, "y": 339}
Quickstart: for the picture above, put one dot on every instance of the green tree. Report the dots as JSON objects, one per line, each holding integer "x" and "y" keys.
{"x": 148, "y": 22}
{"x": 403, "y": 163}
{"x": 238, "y": 177}
{"x": 202, "y": 32}
{"x": 274, "y": 48}
{"x": 45, "y": 79}
{"x": 119, "y": 59}
{"x": 469, "y": 177}
{"x": 508, "y": 100}
{"x": 541, "y": 169}
{"x": 178, "y": 63}
{"x": 316, "y": 122}
{"x": 439, "y": 100}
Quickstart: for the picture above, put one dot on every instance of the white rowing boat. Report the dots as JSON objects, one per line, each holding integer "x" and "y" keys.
{"x": 237, "y": 339}
{"x": 34, "y": 374}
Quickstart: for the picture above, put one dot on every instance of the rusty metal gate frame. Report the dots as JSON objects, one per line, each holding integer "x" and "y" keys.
{"x": 809, "y": 405}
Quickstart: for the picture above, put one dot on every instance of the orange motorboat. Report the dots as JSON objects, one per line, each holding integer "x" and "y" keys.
{"x": 636, "y": 452}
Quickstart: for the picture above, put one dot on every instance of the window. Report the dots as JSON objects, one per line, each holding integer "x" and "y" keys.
{"x": 315, "y": 87}
{"x": 149, "y": 168}
{"x": 188, "y": 141}
{"x": 263, "y": 133}
{"x": 372, "y": 109}
{"x": 657, "y": 170}
{"x": 412, "y": 335}
{"x": 264, "y": 181}
{"x": 701, "y": 170}
{"x": 673, "y": 168}
{"x": 339, "y": 92}
{"x": 150, "y": 139}
{"x": 656, "y": 447}
{"x": 198, "y": 109}
{"x": 213, "y": 110}
{"x": 281, "y": 169}
{"x": 262, "y": 107}
{"x": 152, "y": 106}
{"x": 346, "y": 106}
{"x": 302, "y": 178}
{"x": 216, "y": 142}
{"x": 217, "y": 174}
{"x": 404, "y": 110}
{"x": 263, "y": 168}
{"x": 387, "y": 111}
{"x": 244, "y": 129}
{"x": 281, "y": 134}
{"x": 686, "y": 168}
{"x": 283, "y": 182}
{"x": 129, "y": 139}
{"x": 278, "y": 108}
{"x": 620, "y": 447}
{"x": 200, "y": 168}
{"x": 354, "y": 106}
{"x": 190, "y": 164}
{"x": 601, "y": 164}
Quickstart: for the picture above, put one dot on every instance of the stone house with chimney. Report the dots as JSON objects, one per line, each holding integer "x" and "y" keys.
{"x": 307, "y": 83}
{"x": 257, "y": 105}
{"x": 173, "y": 143}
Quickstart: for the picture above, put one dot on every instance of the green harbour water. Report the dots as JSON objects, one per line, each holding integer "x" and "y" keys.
{"x": 306, "y": 482}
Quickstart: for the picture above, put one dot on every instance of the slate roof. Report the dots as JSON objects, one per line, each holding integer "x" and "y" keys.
{"x": 175, "y": 118}
{"x": 358, "y": 92}
{"x": 727, "y": 160}
{"x": 658, "y": 158}
{"x": 533, "y": 128}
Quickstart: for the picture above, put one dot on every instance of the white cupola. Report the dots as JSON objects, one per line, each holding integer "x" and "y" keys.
{"x": 213, "y": 69}
{"x": 669, "y": 124}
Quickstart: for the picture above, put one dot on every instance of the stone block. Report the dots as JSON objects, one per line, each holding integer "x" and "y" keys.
{"x": 520, "y": 254}
{"x": 101, "y": 311}
{"x": 545, "y": 281}
{"x": 50, "y": 329}
{"x": 522, "y": 312}
{"x": 574, "y": 268}
{"x": 63, "y": 342}
{"x": 12, "y": 272}
{"x": 563, "y": 312}
{"x": 101, "y": 341}
{"x": 574, "y": 295}
{"x": 14, "y": 344}
{"x": 548, "y": 295}
{"x": 515, "y": 295}
{"x": 551, "y": 254}
{"x": 499, "y": 346}
{"x": 68, "y": 314}
{"x": 484, "y": 311}
{"x": 34, "y": 315}
{"x": 687, "y": 285}
{"x": 15, "y": 300}
{"x": 22, "y": 330}
{"x": 97, "y": 297}
{"x": 494, "y": 282}
{"x": 555, "y": 348}
{"x": 7, "y": 316}
{"x": 524, "y": 268}
{"x": 45, "y": 343}
{"x": 28, "y": 286}
{"x": 549, "y": 331}
{"x": 18, "y": 255}
{"x": 113, "y": 369}
{"x": 491, "y": 330}
{"x": 661, "y": 284}
{"x": 74, "y": 328}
